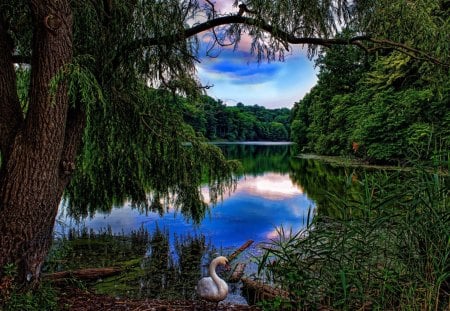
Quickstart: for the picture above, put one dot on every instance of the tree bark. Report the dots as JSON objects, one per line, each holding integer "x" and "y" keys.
{"x": 10, "y": 112}
{"x": 33, "y": 175}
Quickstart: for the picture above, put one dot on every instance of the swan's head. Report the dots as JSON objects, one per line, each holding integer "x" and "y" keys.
{"x": 222, "y": 261}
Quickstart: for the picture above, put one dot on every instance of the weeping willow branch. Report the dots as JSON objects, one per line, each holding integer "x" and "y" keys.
{"x": 366, "y": 43}
{"x": 403, "y": 48}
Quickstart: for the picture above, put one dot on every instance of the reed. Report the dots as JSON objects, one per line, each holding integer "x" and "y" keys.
{"x": 389, "y": 249}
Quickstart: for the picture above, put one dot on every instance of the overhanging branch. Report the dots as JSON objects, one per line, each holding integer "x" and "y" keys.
{"x": 285, "y": 37}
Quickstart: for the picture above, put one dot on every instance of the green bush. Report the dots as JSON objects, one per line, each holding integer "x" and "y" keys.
{"x": 43, "y": 298}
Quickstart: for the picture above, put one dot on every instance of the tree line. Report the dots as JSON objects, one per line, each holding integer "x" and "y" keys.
{"x": 214, "y": 120}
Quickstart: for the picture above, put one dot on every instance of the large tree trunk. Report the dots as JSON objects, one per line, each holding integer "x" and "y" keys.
{"x": 39, "y": 150}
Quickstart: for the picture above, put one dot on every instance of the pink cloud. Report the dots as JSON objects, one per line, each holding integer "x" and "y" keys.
{"x": 221, "y": 6}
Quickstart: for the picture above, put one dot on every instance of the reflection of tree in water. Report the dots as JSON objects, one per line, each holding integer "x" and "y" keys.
{"x": 341, "y": 191}
{"x": 169, "y": 276}
{"x": 259, "y": 159}
{"x": 151, "y": 267}
{"x": 324, "y": 182}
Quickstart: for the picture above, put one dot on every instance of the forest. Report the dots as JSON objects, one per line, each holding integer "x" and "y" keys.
{"x": 216, "y": 121}
{"x": 383, "y": 108}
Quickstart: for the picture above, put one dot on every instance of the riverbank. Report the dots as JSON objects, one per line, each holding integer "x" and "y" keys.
{"x": 351, "y": 162}
{"x": 76, "y": 299}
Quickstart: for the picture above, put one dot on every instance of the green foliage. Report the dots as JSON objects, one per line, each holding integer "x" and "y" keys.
{"x": 392, "y": 108}
{"x": 380, "y": 102}
{"x": 388, "y": 250}
{"x": 42, "y": 298}
{"x": 23, "y": 82}
{"x": 423, "y": 23}
{"x": 138, "y": 148}
{"x": 82, "y": 85}
{"x": 218, "y": 122}
{"x": 322, "y": 118}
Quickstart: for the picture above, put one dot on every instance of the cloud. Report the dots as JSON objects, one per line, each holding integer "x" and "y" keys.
{"x": 232, "y": 69}
{"x": 237, "y": 77}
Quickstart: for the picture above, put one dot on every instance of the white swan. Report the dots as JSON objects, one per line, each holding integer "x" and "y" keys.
{"x": 213, "y": 288}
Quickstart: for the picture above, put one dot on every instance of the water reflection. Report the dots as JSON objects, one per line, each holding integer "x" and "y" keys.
{"x": 257, "y": 206}
{"x": 277, "y": 189}
{"x": 150, "y": 267}
{"x": 270, "y": 186}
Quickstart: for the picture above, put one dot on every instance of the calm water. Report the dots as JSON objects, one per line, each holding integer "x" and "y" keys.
{"x": 266, "y": 197}
{"x": 277, "y": 189}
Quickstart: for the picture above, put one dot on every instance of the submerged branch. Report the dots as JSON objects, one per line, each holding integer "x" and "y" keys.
{"x": 240, "y": 250}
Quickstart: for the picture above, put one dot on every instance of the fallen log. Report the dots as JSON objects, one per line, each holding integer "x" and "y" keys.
{"x": 89, "y": 274}
{"x": 255, "y": 291}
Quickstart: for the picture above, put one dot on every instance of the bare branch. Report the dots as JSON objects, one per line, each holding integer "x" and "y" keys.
{"x": 412, "y": 52}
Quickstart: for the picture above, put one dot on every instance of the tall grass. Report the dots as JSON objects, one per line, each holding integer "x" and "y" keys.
{"x": 388, "y": 250}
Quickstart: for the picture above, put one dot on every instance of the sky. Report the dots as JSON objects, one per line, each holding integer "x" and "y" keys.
{"x": 236, "y": 76}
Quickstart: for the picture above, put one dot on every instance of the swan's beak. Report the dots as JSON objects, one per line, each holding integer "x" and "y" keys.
{"x": 227, "y": 267}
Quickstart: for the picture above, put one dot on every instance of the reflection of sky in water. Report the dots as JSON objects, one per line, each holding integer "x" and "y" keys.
{"x": 258, "y": 206}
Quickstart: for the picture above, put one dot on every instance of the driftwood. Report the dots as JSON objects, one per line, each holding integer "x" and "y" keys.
{"x": 90, "y": 274}
{"x": 240, "y": 250}
{"x": 255, "y": 291}
{"x": 238, "y": 272}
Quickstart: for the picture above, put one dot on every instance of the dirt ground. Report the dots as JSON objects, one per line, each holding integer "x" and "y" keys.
{"x": 76, "y": 299}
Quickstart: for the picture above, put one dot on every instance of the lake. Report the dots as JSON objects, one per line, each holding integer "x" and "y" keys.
{"x": 265, "y": 198}
{"x": 276, "y": 190}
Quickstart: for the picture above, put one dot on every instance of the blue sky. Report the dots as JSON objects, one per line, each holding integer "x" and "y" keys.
{"x": 237, "y": 76}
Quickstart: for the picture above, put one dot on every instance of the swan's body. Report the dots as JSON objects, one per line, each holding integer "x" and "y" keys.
{"x": 213, "y": 288}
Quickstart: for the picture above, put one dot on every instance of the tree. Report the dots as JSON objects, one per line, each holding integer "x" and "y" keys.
{"x": 388, "y": 107}
{"x": 89, "y": 63}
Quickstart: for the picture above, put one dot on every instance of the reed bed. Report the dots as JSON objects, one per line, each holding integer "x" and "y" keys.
{"x": 388, "y": 249}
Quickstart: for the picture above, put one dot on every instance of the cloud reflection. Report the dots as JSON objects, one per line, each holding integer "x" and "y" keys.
{"x": 259, "y": 206}
{"x": 270, "y": 186}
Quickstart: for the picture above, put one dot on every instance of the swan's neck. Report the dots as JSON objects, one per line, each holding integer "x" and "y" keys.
{"x": 218, "y": 281}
